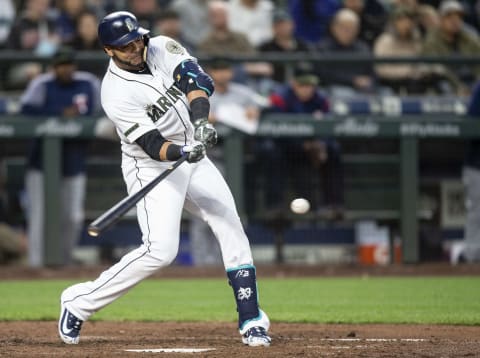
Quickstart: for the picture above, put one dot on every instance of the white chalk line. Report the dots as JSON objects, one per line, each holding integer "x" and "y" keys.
{"x": 223, "y": 338}
{"x": 362, "y": 346}
{"x": 358, "y": 346}
{"x": 170, "y": 350}
{"x": 374, "y": 339}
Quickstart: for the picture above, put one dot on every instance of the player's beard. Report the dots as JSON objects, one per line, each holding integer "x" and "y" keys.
{"x": 130, "y": 65}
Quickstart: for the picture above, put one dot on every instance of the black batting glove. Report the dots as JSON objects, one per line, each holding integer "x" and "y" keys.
{"x": 205, "y": 132}
{"x": 194, "y": 152}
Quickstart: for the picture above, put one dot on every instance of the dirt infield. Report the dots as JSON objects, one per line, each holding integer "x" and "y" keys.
{"x": 107, "y": 339}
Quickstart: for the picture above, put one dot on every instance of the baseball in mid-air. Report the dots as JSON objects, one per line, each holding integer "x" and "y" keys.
{"x": 300, "y": 206}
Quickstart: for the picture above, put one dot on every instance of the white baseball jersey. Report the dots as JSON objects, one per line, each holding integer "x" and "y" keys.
{"x": 138, "y": 103}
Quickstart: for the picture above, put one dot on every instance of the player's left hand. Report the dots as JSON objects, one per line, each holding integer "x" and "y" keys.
{"x": 194, "y": 152}
{"x": 205, "y": 132}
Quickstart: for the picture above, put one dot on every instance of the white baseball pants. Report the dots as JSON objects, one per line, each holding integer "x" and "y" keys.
{"x": 198, "y": 187}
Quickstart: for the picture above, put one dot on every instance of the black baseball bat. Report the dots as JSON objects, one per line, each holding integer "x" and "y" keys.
{"x": 114, "y": 214}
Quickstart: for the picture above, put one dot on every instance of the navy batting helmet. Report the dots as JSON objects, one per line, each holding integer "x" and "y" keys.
{"x": 119, "y": 28}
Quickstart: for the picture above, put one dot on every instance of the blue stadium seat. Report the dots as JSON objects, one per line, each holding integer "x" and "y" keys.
{"x": 394, "y": 105}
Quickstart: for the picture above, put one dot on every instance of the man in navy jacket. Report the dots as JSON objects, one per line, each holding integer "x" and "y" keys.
{"x": 68, "y": 93}
{"x": 306, "y": 159}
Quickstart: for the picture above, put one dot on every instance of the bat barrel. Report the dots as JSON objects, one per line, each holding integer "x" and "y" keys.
{"x": 110, "y": 217}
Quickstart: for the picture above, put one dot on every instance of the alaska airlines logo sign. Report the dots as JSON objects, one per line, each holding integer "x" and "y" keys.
{"x": 288, "y": 129}
{"x": 55, "y": 127}
{"x": 353, "y": 127}
{"x": 429, "y": 130}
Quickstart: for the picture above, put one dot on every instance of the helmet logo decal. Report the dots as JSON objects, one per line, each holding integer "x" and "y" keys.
{"x": 129, "y": 23}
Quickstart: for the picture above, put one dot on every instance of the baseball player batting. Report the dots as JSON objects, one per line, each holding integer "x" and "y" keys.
{"x": 157, "y": 96}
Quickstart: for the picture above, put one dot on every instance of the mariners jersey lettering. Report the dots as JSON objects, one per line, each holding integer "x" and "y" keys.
{"x": 172, "y": 95}
{"x": 138, "y": 103}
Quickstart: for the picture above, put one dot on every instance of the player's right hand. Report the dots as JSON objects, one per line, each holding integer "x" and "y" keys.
{"x": 194, "y": 152}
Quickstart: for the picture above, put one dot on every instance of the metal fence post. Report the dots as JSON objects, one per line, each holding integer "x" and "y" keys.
{"x": 408, "y": 199}
{"x": 233, "y": 146}
{"x": 52, "y": 156}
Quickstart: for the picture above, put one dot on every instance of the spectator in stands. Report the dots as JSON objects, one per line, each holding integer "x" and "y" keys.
{"x": 312, "y": 18}
{"x": 471, "y": 181}
{"x": 194, "y": 16}
{"x": 145, "y": 11}
{"x": 410, "y": 4}
{"x": 453, "y": 38}
{"x": 167, "y": 23}
{"x": 237, "y": 102}
{"x": 283, "y": 41}
{"x": 427, "y": 18}
{"x": 344, "y": 39}
{"x": 7, "y": 17}
{"x": 33, "y": 30}
{"x": 253, "y": 18}
{"x": 373, "y": 18}
{"x": 66, "y": 24}
{"x": 86, "y": 38}
{"x": 70, "y": 94}
{"x": 402, "y": 38}
{"x": 221, "y": 41}
{"x": 103, "y": 7}
{"x": 228, "y": 93}
{"x": 306, "y": 158}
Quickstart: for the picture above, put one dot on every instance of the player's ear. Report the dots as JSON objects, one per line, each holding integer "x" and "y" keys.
{"x": 108, "y": 51}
